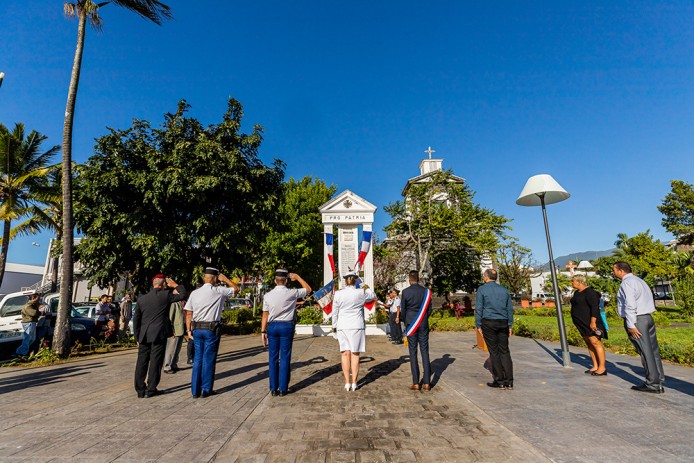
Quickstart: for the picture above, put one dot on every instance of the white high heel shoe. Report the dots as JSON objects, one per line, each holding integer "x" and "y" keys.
{"x": 354, "y": 386}
{"x": 348, "y": 387}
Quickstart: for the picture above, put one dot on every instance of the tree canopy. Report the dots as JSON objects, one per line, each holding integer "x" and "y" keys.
{"x": 296, "y": 239}
{"x": 175, "y": 199}
{"x": 678, "y": 211}
{"x": 515, "y": 264}
{"x": 444, "y": 231}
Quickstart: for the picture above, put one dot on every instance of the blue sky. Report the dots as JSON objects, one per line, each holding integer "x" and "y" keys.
{"x": 598, "y": 94}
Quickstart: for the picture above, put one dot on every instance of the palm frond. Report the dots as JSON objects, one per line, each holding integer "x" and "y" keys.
{"x": 153, "y": 10}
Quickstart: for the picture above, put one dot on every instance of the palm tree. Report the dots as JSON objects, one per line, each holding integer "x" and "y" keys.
{"x": 47, "y": 215}
{"x": 84, "y": 10}
{"x": 23, "y": 168}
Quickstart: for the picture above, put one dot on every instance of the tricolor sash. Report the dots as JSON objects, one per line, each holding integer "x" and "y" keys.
{"x": 412, "y": 329}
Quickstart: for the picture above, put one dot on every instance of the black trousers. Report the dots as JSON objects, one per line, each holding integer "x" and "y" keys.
{"x": 420, "y": 338}
{"x": 150, "y": 359}
{"x": 495, "y": 334}
{"x": 395, "y": 328}
{"x": 190, "y": 350}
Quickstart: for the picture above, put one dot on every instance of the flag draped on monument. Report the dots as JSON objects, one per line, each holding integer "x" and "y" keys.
{"x": 329, "y": 248}
{"x": 364, "y": 250}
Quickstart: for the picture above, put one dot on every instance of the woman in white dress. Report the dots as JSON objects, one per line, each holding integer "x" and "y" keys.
{"x": 348, "y": 320}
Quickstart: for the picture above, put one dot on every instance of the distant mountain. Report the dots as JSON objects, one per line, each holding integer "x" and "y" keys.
{"x": 577, "y": 257}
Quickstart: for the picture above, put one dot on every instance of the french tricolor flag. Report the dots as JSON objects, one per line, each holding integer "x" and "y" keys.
{"x": 324, "y": 297}
{"x": 365, "y": 246}
{"x": 329, "y": 247}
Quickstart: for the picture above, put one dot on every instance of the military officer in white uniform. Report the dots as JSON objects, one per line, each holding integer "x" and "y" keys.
{"x": 348, "y": 321}
{"x": 203, "y": 316}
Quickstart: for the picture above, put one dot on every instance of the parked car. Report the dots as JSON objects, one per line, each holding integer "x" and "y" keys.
{"x": 662, "y": 296}
{"x": 88, "y": 309}
{"x": 236, "y": 303}
{"x": 81, "y": 328}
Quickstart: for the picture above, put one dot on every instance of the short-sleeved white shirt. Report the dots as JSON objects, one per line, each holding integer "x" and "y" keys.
{"x": 207, "y": 302}
{"x": 348, "y": 307}
{"x": 395, "y": 305}
{"x": 281, "y": 303}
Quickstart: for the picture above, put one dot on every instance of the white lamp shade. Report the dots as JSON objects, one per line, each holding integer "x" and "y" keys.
{"x": 584, "y": 264}
{"x": 539, "y": 184}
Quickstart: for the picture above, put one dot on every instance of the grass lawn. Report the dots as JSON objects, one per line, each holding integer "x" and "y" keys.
{"x": 676, "y": 342}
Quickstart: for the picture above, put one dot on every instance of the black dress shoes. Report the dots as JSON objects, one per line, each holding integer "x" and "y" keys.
{"x": 646, "y": 388}
{"x": 140, "y": 394}
{"x": 153, "y": 393}
{"x": 496, "y": 385}
{"x": 282, "y": 393}
{"x": 274, "y": 393}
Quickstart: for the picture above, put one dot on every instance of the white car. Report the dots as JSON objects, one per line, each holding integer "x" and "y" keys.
{"x": 11, "y": 316}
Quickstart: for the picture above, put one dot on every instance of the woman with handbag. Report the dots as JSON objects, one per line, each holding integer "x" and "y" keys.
{"x": 585, "y": 313}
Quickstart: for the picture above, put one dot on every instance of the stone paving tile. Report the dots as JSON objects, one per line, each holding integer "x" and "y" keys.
{"x": 92, "y": 415}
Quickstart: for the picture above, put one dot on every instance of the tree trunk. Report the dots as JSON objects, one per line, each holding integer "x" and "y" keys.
{"x": 61, "y": 340}
{"x": 5, "y": 247}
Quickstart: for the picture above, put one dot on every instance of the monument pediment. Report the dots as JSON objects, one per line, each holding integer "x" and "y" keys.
{"x": 347, "y": 207}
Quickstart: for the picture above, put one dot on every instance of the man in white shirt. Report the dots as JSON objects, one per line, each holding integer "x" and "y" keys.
{"x": 277, "y": 328}
{"x": 203, "y": 316}
{"x": 394, "y": 309}
{"x": 635, "y": 305}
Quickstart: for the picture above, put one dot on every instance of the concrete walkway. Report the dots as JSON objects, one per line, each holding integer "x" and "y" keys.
{"x": 88, "y": 410}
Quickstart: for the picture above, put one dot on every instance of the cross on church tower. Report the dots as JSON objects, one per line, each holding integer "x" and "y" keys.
{"x": 429, "y": 151}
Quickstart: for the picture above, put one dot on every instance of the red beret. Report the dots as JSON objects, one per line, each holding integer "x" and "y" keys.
{"x": 158, "y": 275}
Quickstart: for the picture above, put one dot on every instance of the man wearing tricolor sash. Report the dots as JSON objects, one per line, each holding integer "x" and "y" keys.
{"x": 415, "y": 303}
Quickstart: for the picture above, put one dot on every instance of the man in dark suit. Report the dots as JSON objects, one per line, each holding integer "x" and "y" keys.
{"x": 152, "y": 328}
{"x": 413, "y": 298}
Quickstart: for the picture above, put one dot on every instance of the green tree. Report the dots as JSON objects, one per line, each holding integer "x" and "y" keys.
{"x": 455, "y": 267}
{"x": 678, "y": 211}
{"x": 296, "y": 239}
{"x": 647, "y": 256}
{"x": 23, "y": 169}
{"x": 438, "y": 217}
{"x": 175, "y": 198}
{"x": 515, "y": 265}
{"x": 83, "y": 10}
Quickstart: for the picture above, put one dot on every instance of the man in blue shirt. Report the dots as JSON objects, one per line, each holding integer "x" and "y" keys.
{"x": 494, "y": 318}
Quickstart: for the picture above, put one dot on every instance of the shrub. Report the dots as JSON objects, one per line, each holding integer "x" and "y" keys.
{"x": 661, "y": 319}
{"x": 310, "y": 316}
{"x": 452, "y": 324}
{"x": 379, "y": 317}
{"x": 237, "y": 316}
{"x": 677, "y": 354}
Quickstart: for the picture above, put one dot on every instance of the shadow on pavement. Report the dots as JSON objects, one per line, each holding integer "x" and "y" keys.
{"x": 44, "y": 377}
{"x": 670, "y": 381}
{"x": 438, "y": 366}
{"x": 382, "y": 369}
{"x": 265, "y": 374}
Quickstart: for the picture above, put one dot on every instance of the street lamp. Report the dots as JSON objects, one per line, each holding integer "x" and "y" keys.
{"x": 541, "y": 190}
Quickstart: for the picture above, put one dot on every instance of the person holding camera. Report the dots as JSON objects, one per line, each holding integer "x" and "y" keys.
{"x": 585, "y": 313}
{"x": 203, "y": 322}
{"x": 277, "y": 328}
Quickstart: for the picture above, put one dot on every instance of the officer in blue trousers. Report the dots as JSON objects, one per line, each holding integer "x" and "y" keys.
{"x": 277, "y": 328}
{"x": 203, "y": 319}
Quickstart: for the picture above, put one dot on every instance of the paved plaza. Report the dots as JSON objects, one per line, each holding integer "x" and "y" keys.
{"x": 88, "y": 411}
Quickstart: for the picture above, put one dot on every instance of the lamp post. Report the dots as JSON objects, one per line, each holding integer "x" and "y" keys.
{"x": 2, "y": 76}
{"x": 541, "y": 190}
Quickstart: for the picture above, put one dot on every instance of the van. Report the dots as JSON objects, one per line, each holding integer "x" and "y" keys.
{"x": 11, "y": 316}
{"x": 543, "y": 296}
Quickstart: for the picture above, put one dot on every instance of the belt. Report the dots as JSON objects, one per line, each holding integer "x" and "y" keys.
{"x": 205, "y": 325}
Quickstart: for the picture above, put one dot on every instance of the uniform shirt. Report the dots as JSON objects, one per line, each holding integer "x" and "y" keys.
{"x": 348, "y": 308}
{"x": 634, "y": 298}
{"x": 493, "y": 302}
{"x": 207, "y": 302}
{"x": 394, "y": 305}
{"x": 281, "y": 303}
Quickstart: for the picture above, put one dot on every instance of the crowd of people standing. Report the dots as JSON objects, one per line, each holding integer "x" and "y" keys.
{"x": 159, "y": 328}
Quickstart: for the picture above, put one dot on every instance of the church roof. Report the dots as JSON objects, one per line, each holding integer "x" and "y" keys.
{"x": 423, "y": 178}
